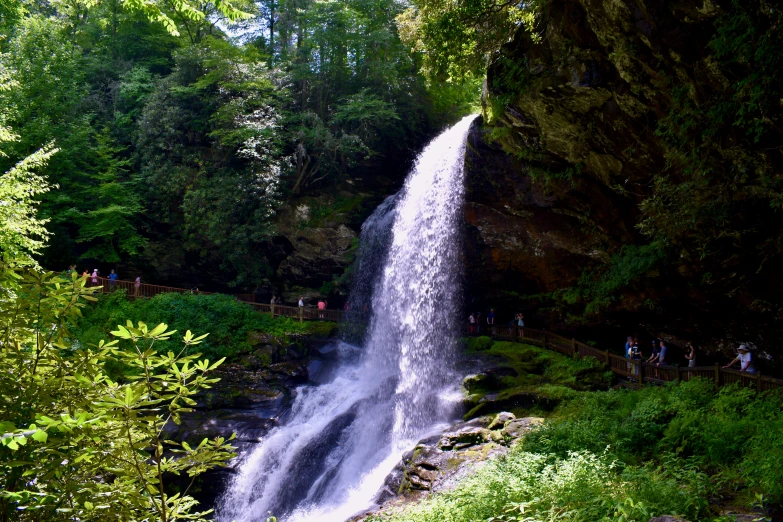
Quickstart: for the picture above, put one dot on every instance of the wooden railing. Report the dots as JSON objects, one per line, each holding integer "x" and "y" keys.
{"x": 143, "y": 290}
{"x": 636, "y": 371}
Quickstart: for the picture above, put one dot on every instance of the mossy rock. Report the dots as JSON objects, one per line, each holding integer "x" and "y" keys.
{"x": 478, "y": 344}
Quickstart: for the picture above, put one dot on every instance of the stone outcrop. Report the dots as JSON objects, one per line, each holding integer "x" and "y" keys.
{"x": 567, "y": 151}
{"x": 438, "y": 462}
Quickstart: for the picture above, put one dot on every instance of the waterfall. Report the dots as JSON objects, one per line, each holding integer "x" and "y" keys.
{"x": 330, "y": 457}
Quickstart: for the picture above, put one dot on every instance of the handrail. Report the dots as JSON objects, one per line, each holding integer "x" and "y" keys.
{"x": 636, "y": 370}
{"x": 144, "y": 290}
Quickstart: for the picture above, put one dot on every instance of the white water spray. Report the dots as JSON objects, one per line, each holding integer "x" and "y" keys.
{"x": 342, "y": 438}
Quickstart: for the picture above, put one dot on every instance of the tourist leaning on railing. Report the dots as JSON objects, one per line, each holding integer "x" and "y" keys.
{"x": 745, "y": 359}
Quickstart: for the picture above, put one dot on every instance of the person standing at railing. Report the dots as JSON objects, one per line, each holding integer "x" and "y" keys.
{"x": 301, "y": 302}
{"x": 521, "y": 324}
{"x": 744, "y": 358}
{"x": 472, "y": 324}
{"x": 661, "y": 358}
{"x": 321, "y": 308}
{"x": 691, "y": 355}
{"x": 136, "y": 286}
{"x": 655, "y": 355}
{"x": 636, "y": 355}
{"x": 113, "y": 280}
{"x": 491, "y": 321}
{"x": 95, "y": 277}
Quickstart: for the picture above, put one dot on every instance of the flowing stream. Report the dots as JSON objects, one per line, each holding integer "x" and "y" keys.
{"x": 332, "y": 453}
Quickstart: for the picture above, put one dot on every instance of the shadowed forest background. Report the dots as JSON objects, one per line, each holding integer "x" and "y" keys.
{"x": 177, "y": 151}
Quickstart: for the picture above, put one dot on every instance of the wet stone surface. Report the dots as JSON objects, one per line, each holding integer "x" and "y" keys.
{"x": 437, "y": 463}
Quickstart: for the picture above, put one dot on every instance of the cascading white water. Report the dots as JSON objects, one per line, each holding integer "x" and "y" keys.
{"x": 341, "y": 439}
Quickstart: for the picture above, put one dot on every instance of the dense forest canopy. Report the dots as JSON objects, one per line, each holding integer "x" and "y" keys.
{"x": 181, "y": 128}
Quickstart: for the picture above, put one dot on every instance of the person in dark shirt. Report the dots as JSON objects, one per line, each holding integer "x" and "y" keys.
{"x": 662, "y": 354}
{"x": 491, "y": 317}
{"x": 654, "y": 356}
{"x": 113, "y": 280}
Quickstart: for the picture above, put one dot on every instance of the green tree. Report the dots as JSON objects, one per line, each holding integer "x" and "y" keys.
{"x": 73, "y": 443}
{"x": 455, "y": 39}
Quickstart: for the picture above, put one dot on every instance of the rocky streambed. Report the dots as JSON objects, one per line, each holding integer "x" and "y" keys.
{"x": 252, "y": 397}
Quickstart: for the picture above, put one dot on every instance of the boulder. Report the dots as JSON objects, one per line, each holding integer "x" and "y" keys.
{"x": 501, "y": 419}
{"x": 258, "y": 338}
{"x": 517, "y": 427}
{"x": 292, "y": 371}
{"x": 465, "y": 434}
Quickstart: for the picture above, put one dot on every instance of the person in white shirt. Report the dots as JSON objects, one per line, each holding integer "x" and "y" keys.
{"x": 744, "y": 358}
{"x": 301, "y": 302}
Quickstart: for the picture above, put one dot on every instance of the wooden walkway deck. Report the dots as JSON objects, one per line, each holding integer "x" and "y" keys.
{"x": 144, "y": 290}
{"x": 636, "y": 371}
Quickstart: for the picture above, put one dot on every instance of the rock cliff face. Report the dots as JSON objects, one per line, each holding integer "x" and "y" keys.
{"x": 578, "y": 152}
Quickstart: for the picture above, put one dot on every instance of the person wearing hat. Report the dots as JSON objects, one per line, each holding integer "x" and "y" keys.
{"x": 744, "y": 358}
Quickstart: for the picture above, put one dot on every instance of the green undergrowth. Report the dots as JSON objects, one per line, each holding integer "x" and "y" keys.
{"x": 231, "y": 325}
{"x": 630, "y": 455}
{"x": 541, "y": 375}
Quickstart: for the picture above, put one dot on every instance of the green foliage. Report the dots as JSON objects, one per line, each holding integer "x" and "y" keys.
{"x": 95, "y": 205}
{"x": 179, "y": 150}
{"x": 626, "y": 455}
{"x": 597, "y": 289}
{"x": 724, "y": 433}
{"x": 582, "y": 486}
{"x": 722, "y": 186}
{"x": 455, "y": 39}
{"x": 537, "y": 367}
{"x": 229, "y": 322}
{"x": 74, "y": 444}
{"x": 478, "y": 344}
{"x": 22, "y": 233}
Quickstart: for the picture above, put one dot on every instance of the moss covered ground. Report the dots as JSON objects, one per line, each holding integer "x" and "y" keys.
{"x": 528, "y": 373}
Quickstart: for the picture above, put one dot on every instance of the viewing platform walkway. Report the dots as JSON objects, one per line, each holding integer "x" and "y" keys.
{"x": 143, "y": 290}
{"x": 637, "y": 372}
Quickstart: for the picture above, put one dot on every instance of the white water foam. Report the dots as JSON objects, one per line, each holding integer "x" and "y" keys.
{"x": 341, "y": 439}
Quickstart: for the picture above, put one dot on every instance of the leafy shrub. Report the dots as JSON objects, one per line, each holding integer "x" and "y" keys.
{"x": 628, "y": 455}
{"x": 585, "y": 486}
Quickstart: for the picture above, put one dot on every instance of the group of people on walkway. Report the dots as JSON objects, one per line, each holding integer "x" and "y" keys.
{"x": 475, "y": 323}
{"x": 659, "y": 355}
{"x": 94, "y": 278}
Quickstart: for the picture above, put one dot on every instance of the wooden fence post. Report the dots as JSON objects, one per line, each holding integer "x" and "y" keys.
{"x": 573, "y": 346}
{"x": 717, "y": 376}
{"x": 273, "y": 311}
{"x": 301, "y": 314}
{"x": 606, "y": 357}
{"x": 641, "y": 372}
{"x": 758, "y": 382}
{"x": 677, "y": 368}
